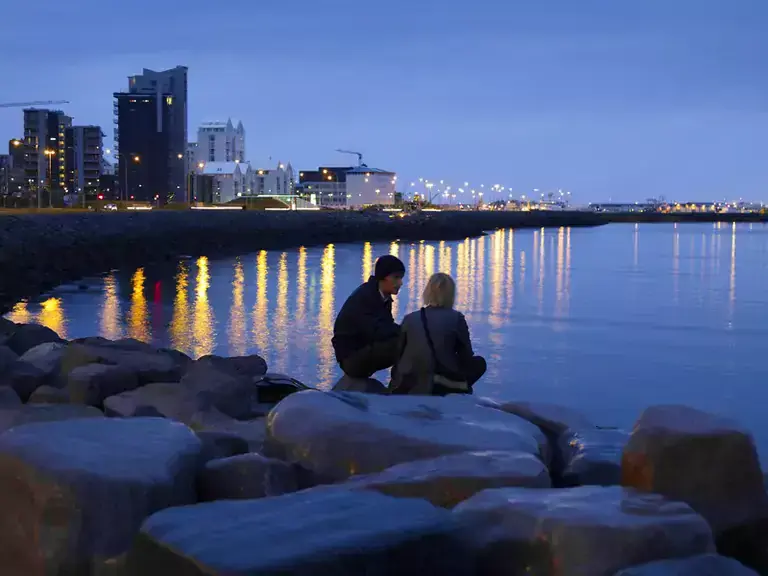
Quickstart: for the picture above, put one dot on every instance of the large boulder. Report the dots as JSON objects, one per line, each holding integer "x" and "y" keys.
{"x": 590, "y": 530}
{"x": 7, "y": 358}
{"x": 251, "y": 367}
{"x": 213, "y": 384}
{"x": 49, "y": 395}
{"x": 27, "y": 336}
{"x": 590, "y": 456}
{"x": 253, "y": 432}
{"x": 93, "y": 383}
{"x": 449, "y": 480}
{"x": 703, "y": 565}
{"x": 318, "y": 531}
{"x": 221, "y": 444}
{"x": 131, "y": 344}
{"x": 47, "y": 357}
{"x": 167, "y": 399}
{"x": 553, "y": 419}
{"x": 13, "y": 416}
{"x": 365, "y": 385}
{"x": 706, "y": 461}
{"x": 150, "y": 365}
{"x": 335, "y": 435}
{"x": 24, "y": 379}
{"x": 244, "y": 477}
{"x": 273, "y": 388}
{"x": 74, "y": 493}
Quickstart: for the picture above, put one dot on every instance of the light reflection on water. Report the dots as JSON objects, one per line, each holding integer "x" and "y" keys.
{"x": 608, "y": 320}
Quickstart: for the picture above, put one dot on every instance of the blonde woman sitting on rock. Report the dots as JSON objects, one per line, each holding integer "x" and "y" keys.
{"x": 435, "y": 352}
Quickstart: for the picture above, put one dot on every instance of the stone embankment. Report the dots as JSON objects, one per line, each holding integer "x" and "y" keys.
{"x": 117, "y": 458}
{"x": 38, "y": 252}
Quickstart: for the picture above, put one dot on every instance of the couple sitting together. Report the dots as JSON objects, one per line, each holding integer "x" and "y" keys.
{"x": 430, "y": 354}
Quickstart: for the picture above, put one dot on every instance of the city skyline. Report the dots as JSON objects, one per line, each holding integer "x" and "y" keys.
{"x": 611, "y": 102}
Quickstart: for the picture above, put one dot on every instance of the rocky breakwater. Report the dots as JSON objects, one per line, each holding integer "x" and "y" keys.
{"x": 117, "y": 458}
{"x": 38, "y": 252}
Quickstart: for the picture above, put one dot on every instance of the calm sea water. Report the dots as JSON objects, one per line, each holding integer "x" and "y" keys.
{"x": 607, "y": 320}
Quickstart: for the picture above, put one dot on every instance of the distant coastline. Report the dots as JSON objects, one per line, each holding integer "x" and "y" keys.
{"x": 41, "y": 251}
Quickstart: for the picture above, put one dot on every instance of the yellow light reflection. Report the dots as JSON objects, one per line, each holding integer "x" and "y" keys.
{"x": 429, "y": 260}
{"x": 478, "y": 272}
{"x": 412, "y": 274}
{"x": 180, "y": 320}
{"x": 462, "y": 263}
{"x": 138, "y": 314}
{"x": 560, "y": 273}
{"x": 203, "y": 333}
{"x": 510, "y": 271}
{"x": 498, "y": 245}
{"x": 568, "y": 266}
{"x": 326, "y": 315}
{"x": 281, "y": 314}
{"x": 20, "y": 314}
{"x": 541, "y": 270}
{"x": 301, "y": 284}
{"x": 260, "y": 327}
{"x": 109, "y": 316}
{"x": 237, "y": 317}
{"x": 52, "y": 316}
{"x": 675, "y": 263}
{"x": 394, "y": 250}
{"x": 367, "y": 261}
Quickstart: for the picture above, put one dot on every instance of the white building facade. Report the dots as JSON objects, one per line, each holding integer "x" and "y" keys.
{"x": 279, "y": 181}
{"x": 370, "y": 186}
{"x": 228, "y": 180}
{"x": 220, "y": 142}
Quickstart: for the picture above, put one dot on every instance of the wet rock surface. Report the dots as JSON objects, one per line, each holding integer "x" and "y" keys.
{"x": 449, "y": 480}
{"x": 335, "y": 435}
{"x": 704, "y": 565}
{"x": 591, "y": 456}
{"x": 77, "y": 490}
{"x": 318, "y": 531}
{"x": 246, "y": 476}
{"x": 577, "y": 531}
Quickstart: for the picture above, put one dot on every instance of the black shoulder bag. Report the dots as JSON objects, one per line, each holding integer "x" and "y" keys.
{"x": 443, "y": 381}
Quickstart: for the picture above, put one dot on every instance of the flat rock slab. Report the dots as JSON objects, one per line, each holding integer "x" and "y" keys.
{"x": 365, "y": 385}
{"x": 77, "y": 491}
{"x": 449, "y": 480}
{"x": 591, "y": 530}
{"x": 591, "y": 456}
{"x": 246, "y": 476}
{"x": 93, "y": 383}
{"x": 707, "y": 461}
{"x": 553, "y": 419}
{"x": 335, "y": 435}
{"x": 32, "y": 413}
{"x": 704, "y": 565}
{"x": 314, "y": 532}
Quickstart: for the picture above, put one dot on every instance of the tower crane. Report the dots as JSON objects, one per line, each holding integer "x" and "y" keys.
{"x": 358, "y": 154}
{"x": 33, "y": 103}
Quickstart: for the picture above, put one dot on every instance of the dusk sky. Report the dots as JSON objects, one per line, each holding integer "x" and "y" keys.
{"x": 607, "y": 98}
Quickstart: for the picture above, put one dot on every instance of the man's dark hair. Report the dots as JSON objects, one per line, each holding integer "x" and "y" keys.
{"x": 387, "y": 265}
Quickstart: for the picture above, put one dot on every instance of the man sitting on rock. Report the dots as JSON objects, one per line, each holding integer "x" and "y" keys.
{"x": 365, "y": 336}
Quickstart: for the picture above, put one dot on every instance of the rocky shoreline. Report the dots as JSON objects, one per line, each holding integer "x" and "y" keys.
{"x": 117, "y": 458}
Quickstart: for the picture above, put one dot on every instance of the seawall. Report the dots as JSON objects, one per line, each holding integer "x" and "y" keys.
{"x": 40, "y": 251}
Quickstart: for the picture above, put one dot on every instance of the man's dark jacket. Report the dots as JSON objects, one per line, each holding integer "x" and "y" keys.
{"x": 365, "y": 318}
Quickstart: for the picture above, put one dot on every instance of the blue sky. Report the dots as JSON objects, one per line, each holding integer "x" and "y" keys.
{"x": 607, "y": 98}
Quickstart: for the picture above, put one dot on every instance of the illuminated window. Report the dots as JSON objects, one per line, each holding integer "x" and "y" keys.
{"x": 169, "y": 100}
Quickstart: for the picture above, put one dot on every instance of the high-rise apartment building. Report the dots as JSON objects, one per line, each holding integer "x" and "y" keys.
{"x": 171, "y": 85}
{"x": 83, "y": 160}
{"x": 142, "y": 142}
{"x": 44, "y": 166}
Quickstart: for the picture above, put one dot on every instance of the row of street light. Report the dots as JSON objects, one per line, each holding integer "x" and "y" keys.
{"x": 467, "y": 194}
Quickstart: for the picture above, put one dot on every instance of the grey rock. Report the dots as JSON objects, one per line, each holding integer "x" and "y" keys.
{"x": 246, "y": 476}
{"x": 85, "y": 486}
{"x": 313, "y": 532}
{"x": 703, "y": 565}
{"x": 253, "y": 432}
{"x": 273, "y": 388}
{"x": 248, "y": 366}
{"x": 335, "y": 435}
{"x": 210, "y": 384}
{"x": 49, "y": 395}
{"x": 7, "y": 358}
{"x": 93, "y": 383}
{"x": 150, "y": 366}
{"x": 8, "y": 397}
{"x": 365, "y": 385}
{"x": 706, "y": 461}
{"x": 168, "y": 399}
{"x": 449, "y": 480}
{"x": 27, "y": 336}
{"x": 12, "y": 417}
{"x": 590, "y": 530}
{"x": 24, "y": 379}
{"x": 221, "y": 444}
{"x": 591, "y": 457}
{"x": 47, "y": 357}
{"x": 131, "y": 344}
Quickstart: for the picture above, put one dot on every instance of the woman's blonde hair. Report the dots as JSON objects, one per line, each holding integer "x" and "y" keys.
{"x": 440, "y": 291}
